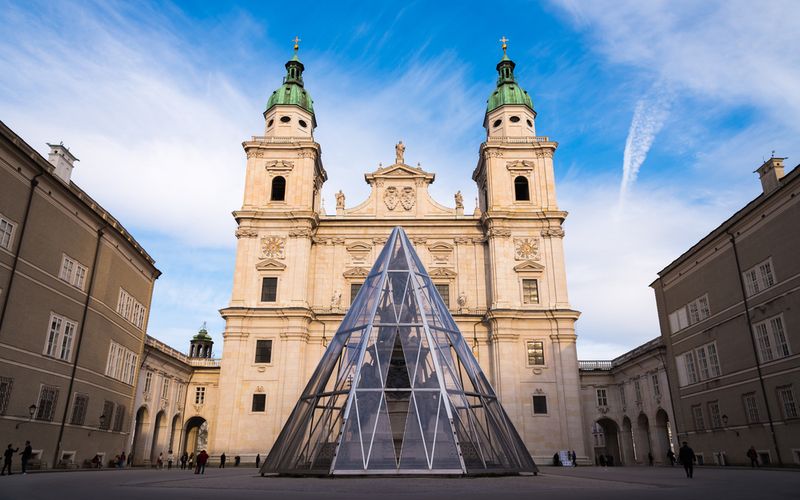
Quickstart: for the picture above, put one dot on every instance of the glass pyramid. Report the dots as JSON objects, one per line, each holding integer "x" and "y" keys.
{"x": 398, "y": 390}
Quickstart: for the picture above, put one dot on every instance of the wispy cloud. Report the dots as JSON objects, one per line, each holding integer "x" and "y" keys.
{"x": 648, "y": 117}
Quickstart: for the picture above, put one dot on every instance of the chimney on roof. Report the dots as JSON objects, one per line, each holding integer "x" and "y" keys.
{"x": 771, "y": 173}
{"x": 62, "y": 160}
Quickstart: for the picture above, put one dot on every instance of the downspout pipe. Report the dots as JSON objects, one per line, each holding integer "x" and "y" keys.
{"x": 34, "y": 183}
{"x": 755, "y": 348}
{"x": 100, "y": 233}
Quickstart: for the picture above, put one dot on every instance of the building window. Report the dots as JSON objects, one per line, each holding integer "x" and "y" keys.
{"x": 108, "y": 414}
{"x": 700, "y": 364}
{"x": 269, "y": 289}
{"x": 444, "y": 292}
{"x": 6, "y": 383}
{"x": 165, "y": 388}
{"x": 130, "y": 308}
{"x": 535, "y": 349}
{"x": 259, "y": 403}
{"x": 771, "y": 339}
{"x": 79, "y": 407}
{"x": 521, "y": 189}
{"x": 530, "y": 291}
{"x": 121, "y": 364}
{"x": 199, "y": 395}
{"x": 602, "y": 397}
{"x": 656, "y": 385}
{"x": 693, "y": 312}
{"x": 540, "y": 405}
{"x": 622, "y": 397}
{"x": 637, "y": 390}
{"x": 119, "y": 418}
{"x": 354, "y": 289}
{"x": 60, "y": 337}
{"x": 46, "y": 406}
{"x": 72, "y": 272}
{"x": 758, "y": 278}
{"x": 148, "y": 382}
{"x": 750, "y": 408}
{"x": 278, "y": 192}
{"x": 786, "y": 396}
{"x": 263, "y": 351}
{"x": 715, "y": 414}
{"x": 6, "y": 233}
{"x": 697, "y": 415}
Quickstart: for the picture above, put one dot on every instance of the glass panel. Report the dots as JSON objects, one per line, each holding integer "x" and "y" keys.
{"x": 414, "y": 454}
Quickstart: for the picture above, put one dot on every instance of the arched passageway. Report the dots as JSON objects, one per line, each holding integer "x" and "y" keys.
{"x": 160, "y": 432}
{"x": 628, "y": 448}
{"x": 643, "y": 443}
{"x": 195, "y": 435}
{"x": 139, "y": 441}
{"x": 174, "y": 433}
{"x": 606, "y": 438}
{"x": 663, "y": 436}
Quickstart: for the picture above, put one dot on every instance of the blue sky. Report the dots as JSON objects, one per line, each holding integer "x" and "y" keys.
{"x": 662, "y": 111}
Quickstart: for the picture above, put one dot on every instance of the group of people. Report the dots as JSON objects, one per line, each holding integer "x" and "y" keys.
{"x": 8, "y": 455}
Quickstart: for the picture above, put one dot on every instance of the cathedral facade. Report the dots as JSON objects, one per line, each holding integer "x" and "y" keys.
{"x": 500, "y": 270}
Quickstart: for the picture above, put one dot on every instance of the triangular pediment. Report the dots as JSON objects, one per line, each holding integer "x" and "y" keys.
{"x": 400, "y": 171}
{"x": 359, "y": 246}
{"x": 440, "y": 246}
{"x": 270, "y": 265}
{"x": 529, "y": 265}
{"x": 356, "y": 272}
{"x": 398, "y": 389}
{"x": 442, "y": 272}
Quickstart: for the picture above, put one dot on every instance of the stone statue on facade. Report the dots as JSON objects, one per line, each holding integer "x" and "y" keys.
{"x": 459, "y": 200}
{"x": 462, "y": 300}
{"x": 336, "y": 299}
{"x": 340, "y": 199}
{"x": 399, "y": 151}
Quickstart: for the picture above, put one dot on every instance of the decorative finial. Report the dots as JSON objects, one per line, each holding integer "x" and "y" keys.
{"x": 296, "y": 43}
{"x": 204, "y": 326}
{"x": 503, "y": 40}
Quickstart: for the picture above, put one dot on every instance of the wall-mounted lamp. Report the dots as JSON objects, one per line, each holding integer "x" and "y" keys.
{"x": 31, "y": 412}
{"x": 725, "y": 423}
{"x": 102, "y": 426}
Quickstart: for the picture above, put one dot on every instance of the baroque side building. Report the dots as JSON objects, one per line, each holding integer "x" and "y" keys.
{"x": 500, "y": 270}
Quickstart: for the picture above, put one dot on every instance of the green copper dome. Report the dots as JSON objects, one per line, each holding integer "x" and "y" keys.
{"x": 292, "y": 91}
{"x": 202, "y": 334}
{"x": 507, "y": 91}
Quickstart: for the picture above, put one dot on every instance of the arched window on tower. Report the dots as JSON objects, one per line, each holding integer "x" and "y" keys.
{"x": 521, "y": 190}
{"x": 278, "y": 192}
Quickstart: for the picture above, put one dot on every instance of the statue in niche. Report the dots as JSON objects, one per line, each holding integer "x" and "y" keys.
{"x": 336, "y": 299}
{"x": 462, "y": 300}
{"x": 459, "y": 200}
{"x": 399, "y": 151}
{"x": 340, "y": 199}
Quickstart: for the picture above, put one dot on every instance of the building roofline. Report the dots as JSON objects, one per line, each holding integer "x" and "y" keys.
{"x": 785, "y": 181}
{"x": 72, "y": 189}
{"x": 634, "y": 353}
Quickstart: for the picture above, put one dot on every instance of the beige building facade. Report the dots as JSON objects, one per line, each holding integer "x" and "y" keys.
{"x": 500, "y": 269}
{"x": 75, "y": 291}
{"x": 627, "y": 408}
{"x": 729, "y": 311}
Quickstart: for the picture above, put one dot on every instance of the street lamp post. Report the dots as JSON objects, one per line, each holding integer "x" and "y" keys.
{"x": 31, "y": 412}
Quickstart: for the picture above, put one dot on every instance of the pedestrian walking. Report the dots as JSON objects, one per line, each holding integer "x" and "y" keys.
{"x": 650, "y": 458}
{"x": 122, "y": 460}
{"x": 258, "y": 460}
{"x": 602, "y": 460}
{"x": 222, "y": 459}
{"x": 671, "y": 457}
{"x": 237, "y": 460}
{"x": 160, "y": 461}
{"x": 184, "y": 459}
{"x": 191, "y": 460}
{"x": 7, "y": 456}
{"x": 26, "y": 454}
{"x": 574, "y": 458}
{"x": 202, "y": 458}
{"x": 752, "y": 454}
{"x": 687, "y": 458}
{"x": 170, "y": 459}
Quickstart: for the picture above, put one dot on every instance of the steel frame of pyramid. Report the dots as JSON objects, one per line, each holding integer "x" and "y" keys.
{"x": 398, "y": 390}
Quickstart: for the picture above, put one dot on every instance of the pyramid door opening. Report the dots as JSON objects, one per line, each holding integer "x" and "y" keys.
{"x": 398, "y": 390}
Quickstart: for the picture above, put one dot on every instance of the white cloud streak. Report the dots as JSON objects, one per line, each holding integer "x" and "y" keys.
{"x": 648, "y": 117}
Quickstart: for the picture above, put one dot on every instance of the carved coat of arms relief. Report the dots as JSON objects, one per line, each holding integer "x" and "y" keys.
{"x": 526, "y": 248}
{"x": 273, "y": 247}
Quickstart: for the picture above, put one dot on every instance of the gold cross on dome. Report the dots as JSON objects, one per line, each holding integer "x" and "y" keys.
{"x": 296, "y": 42}
{"x": 504, "y": 40}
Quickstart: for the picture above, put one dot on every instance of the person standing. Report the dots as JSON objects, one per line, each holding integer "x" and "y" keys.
{"x": 7, "y": 456}
{"x": 258, "y": 460}
{"x": 184, "y": 458}
{"x": 122, "y": 460}
{"x": 160, "y": 461}
{"x": 686, "y": 456}
{"x": 752, "y": 454}
{"x": 671, "y": 457}
{"x": 26, "y": 454}
{"x": 191, "y": 461}
{"x": 170, "y": 459}
{"x": 650, "y": 458}
{"x": 222, "y": 459}
{"x": 202, "y": 458}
